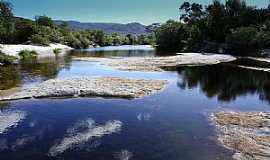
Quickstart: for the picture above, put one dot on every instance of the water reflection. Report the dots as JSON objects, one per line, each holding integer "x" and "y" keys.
{"x": 46, "y": 68}
{"x": 9, "y": 119}
{"x": 227, "y": 82}
{"x": 83, "y": 132}
{"x": 9, "y": 77}
{"x": 34, "y": 70}
{"x": 114, "y": 53}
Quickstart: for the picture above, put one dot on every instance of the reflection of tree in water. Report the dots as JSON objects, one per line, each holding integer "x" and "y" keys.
{"x": 9, "y": 77}
{"x": 114, "y": 53}
{"x": 3, "y": 106}
{"x": 45, "y": 68}
{"x": 226, "y": 82}
{"x": 14, "y": 75}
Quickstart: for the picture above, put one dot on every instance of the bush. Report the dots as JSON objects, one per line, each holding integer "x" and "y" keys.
{"x": 6, "y": 59}
{"x": 40, "y": 40}
{"x": 172, "y": 36}
{"x": 44, "y": 21}
{"x": 244, "y": 39}
{"x": 26, "y": 54}
{"x": 57, "y": 51}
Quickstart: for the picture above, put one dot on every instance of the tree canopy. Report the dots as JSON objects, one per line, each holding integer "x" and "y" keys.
{"x": 232, "y": 27}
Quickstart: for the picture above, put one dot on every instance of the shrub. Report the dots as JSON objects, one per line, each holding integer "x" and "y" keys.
{"x": 26, "y": 54}
{"x": 172, "y": 36}
{"x": 6, "y": 59}
{"x": 57, "y": 51}
{"x": 40, "y": 40}
{"x": 44, "y": 21}
{"x": 244, "y": 39}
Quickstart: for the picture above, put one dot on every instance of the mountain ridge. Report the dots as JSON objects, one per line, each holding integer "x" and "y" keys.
{"x": 133, "y": 28}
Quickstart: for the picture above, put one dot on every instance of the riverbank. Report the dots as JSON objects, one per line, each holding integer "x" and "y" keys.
{"x": 160, "y": 63}
{"x": 246, "y": 133}
{"x": 90, "y": 86}
{"x": 42, "y": 51}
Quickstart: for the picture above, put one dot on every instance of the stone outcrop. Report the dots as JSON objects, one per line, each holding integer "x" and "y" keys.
{"x": 247, "y": 133}
{"x": 42, "y": 51}
{"x": 90, "y": 86}
{"x": 159, "y": 63}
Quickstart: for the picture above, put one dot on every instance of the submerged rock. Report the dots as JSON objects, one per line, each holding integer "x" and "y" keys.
{"x": 90, "y": 86}
{"x": 254, "y": 63}
{"x": 248, "y": 134}
{"x": 159, "y": 63}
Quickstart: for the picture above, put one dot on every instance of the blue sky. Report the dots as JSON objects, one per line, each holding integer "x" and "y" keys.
{"x": 120, "y": 11}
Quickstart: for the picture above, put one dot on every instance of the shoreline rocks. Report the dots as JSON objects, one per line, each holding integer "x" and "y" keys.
{"x": 246, "y": 133}
{"x": 253, "y": 63}
{"x": 90, "y": 86}
{"x": 159, "y": 63}
{"x": 42, "y": 51}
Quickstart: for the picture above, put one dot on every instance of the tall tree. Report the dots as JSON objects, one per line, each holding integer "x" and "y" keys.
{"x": 7, "y": 26}
{"x": 44, "y": 21}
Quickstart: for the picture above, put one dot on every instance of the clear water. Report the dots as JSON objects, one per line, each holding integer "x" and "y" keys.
{"x": 171, "y": 125}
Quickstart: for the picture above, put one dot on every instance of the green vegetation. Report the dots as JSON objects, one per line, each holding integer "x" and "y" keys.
{"x": 9, "y": 77}
{"x": 57, "y": 51}
{"x": 233, "y": 27}
{"x": 26, "y": 54}
{"x": 43, "y": 31}
{"x": 6, "y": 59}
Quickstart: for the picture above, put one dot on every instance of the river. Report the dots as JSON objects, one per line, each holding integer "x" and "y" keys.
{"x": 172, "y": 124}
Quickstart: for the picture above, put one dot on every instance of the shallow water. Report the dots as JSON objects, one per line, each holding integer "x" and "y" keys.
{"x": 171, "y": 124}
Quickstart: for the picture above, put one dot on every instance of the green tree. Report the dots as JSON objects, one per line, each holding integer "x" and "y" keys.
{"x": 7, "y": 26}
{"x": 172, "y": 36}
{"x": 44, "y": 21}
{"x": 192, "y": 12}
{"x": 244, "y": 40}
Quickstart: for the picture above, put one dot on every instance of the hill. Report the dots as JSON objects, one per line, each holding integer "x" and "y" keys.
{"x": 124, "y": 29}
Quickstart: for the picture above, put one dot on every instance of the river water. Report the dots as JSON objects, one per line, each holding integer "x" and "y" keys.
{"x": 172, "y": 124}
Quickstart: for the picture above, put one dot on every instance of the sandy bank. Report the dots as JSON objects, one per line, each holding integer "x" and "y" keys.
{"x": 247, "y": 133}
{"x": 159, "y": 63}
{"x": 13, "y": 50}
{"x": 90, "y": 86}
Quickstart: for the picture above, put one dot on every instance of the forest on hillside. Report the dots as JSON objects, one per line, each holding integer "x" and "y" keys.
{"x": 232, "y": 27}
{"x": 43, "y": 31}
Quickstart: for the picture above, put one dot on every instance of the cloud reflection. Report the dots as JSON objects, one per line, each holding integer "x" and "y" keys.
{"x": 82, "y": 132}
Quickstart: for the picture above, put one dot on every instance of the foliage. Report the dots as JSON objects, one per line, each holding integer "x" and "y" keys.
{"x": 6, "y": 59}
{"x": 172, "y": 36}
{"x": 39, "y": 39}
{"x": 44, "y": 21}
{"x": 43, "y": 31}
{"x": 244, "y": 39}
{"x": 57, "y": 51}
{"x": 233, "y": 27}
{"x": 6, "y": 22}
{"x": 27, "y": 54}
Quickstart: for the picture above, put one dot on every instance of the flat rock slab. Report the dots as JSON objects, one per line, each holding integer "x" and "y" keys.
{"x": 246, "y": 133}
{"x": 159, "y": 63}
{"x": 90, "y": 86}
{"x": 254, "y": 63}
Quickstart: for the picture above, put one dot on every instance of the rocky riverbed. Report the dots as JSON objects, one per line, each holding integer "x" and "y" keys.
{"x": 246, "y": 133}
{"x": 159, "y": 63}
{"x": 90, "y": 86}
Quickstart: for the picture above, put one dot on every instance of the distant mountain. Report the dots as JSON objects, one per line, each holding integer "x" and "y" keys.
{"x": 130, "y": 28}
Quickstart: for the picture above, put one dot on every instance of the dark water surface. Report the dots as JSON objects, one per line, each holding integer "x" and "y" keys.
{"x": 170, "y": 125}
